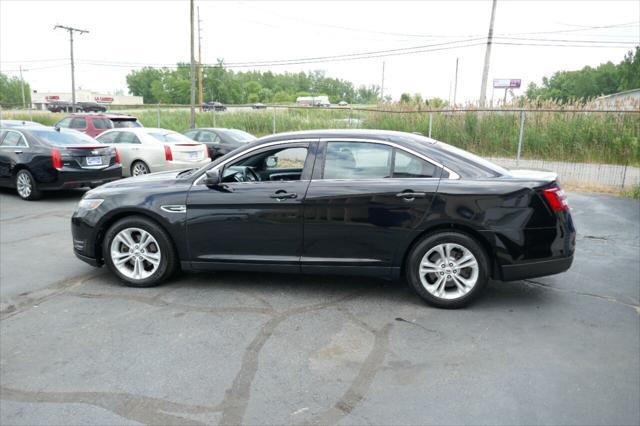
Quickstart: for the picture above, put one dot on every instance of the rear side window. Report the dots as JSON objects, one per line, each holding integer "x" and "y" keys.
{"x": 13, "y": 139}
{"x": 126, "y": 123}
{"x": 64, "y": 123}
{"x": 209, "y": 137}
{"x": 406, "y": 165}
{"x": 102, "y": 123}
{"x": 78, "y": 123}
{"x": 191, "y": 134}
{"x": 357, "y": 160}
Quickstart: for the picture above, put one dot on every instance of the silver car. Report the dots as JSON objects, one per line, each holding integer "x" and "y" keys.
{"x": 145, "y": 150}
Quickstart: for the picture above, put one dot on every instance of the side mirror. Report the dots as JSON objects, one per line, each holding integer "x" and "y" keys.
{"x": 271, "y": 161}
{"x": 212, "y": 178}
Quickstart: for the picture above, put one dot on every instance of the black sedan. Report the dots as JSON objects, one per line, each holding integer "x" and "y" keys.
{"x": 216, "y": 106}
{"x": 35, "y": 159}
{"x": 377, "y": 203}
{"x": 220, "y": 141}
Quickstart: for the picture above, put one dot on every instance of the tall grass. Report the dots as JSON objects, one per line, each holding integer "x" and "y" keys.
{"x": 596, "y": 137}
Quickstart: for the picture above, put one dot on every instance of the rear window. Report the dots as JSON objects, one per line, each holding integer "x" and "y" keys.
{"x": 120, "y": 123}
{"x": 102, "y": 123}
{"x": 240, "y": 136}
{"x": 473, "y": 159}
{"x": 170, "y": 137}
{"x": 63, "y": 137}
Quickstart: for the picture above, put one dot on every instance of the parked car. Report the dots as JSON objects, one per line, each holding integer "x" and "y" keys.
{"x": 208, "y": 106}
{"x": 379, "y": 203}
{"x": 38, "y": 158}
{"x": 92, "y": 107}
{"x": 259, "y": 106}
{"x": 145, "y": 150}
{"x": 220, "y": 141}
{"x": 19, "y": 123}
{"x": 60, "y": 106}
{"x": 95, "y": 124}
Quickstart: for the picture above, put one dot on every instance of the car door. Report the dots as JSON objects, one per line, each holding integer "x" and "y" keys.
{"x": 364, "y": 201}
{"x": 13, "y": 150}
{"x": 248, "y": 223}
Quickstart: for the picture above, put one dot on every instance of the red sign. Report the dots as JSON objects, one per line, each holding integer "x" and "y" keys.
{"x": 52, "y": 98}
{"x": 107, "y": 99}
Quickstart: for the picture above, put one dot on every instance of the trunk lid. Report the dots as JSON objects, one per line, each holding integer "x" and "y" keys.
{"x": 186, "y": 151}
{"x": 87, "y": 156}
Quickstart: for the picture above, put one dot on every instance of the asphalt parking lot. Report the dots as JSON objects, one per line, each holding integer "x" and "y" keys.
{"x": 78, "y": 348}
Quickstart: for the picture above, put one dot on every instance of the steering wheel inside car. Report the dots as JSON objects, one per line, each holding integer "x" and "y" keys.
{"x": 246, "y": 174}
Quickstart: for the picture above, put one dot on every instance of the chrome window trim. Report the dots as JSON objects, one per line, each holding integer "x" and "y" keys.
{"x": 452, "y": 175}
{"x": 240, "y": 154}
{"x": 15, "y": 146}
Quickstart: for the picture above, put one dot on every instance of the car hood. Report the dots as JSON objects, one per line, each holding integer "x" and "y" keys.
{"x": 161, "y": 180}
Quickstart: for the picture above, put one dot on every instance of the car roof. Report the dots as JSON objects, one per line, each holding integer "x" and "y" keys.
{"x": 382, "y": 135}
{"x": 20, "y": 123}
{"x": 141, "y": 130}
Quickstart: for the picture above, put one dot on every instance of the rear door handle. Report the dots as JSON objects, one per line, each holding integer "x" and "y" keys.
{"x": 282, "y": 195}
{"x": 18, "y": 151}
{"x": 410, "y": 195}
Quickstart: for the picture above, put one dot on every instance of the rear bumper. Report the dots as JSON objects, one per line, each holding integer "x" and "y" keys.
{"x": 538, "y": 268}
{"x": 74, "y": 178}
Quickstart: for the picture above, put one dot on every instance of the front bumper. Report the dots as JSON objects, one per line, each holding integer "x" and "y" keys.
{"x": 538, "y": 268}
{"x": 90, "y": 260}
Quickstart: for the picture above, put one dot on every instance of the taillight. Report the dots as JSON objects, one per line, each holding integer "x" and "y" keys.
{"x": 556, "y": 198}
{"x": 56, "y": 158}
{"x": 167, "y": 153}
{"x": 117, "y": 155}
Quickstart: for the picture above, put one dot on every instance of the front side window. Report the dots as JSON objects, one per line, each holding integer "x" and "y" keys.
{"x": 128, "y": 137}
{"x": 191, "y": 134}
{"x": 406, "y": 165}
{"x": 108, "y": 138}
{"x": 278, "y": 164}
{"x": 357, "y": 160}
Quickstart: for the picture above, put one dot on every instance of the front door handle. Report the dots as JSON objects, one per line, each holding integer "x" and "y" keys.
{"x": 282, "y": 195}
{"x": 19, "y": 151}
{"x": 410, "y": 195}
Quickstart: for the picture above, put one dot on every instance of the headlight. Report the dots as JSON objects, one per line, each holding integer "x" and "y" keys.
{"x": 89, "y": 203}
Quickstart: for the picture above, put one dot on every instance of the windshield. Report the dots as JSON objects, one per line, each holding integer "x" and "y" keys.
{"x": 125, "y": 123}
{"x": 239, "y": 135}
{"x": 473, "y": 158}
{"x": 170, "y": 137}
{"x": 64, "y": 137}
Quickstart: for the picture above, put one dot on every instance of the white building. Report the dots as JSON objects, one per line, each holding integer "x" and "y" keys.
{"x": 627, "y": 100}
{"x": 41, "y": 99}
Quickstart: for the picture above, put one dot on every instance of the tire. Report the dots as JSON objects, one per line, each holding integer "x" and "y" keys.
{"x": 26, "y": 186}
{"x": 448, "y": 286}
{"x": 139, "y": 168}
{"x": 159, "y": 246}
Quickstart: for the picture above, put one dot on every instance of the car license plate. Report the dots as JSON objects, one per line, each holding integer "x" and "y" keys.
{"x": 94, "y": 161}
{"x": 195, "y": 155}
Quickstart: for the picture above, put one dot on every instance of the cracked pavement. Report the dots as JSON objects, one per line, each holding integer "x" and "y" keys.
{"x": 76, "y": 347}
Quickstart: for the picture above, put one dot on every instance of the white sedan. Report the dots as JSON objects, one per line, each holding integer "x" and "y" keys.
{"x": 145, "y": 150}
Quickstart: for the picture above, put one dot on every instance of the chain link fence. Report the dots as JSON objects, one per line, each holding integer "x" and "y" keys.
{"x": 583, "y": 146}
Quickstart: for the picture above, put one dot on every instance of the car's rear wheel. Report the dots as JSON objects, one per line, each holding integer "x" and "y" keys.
{"x": 139, "y": 252}
{"x": 139, "y": 168}
{"x": 448, "y": 269}
{"x": 26, "y": 186}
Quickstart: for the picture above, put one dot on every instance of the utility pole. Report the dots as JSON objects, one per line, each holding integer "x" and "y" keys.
{"x": 199, "y": 64}
{"x": 24, "y": 103}
{"x": 73, "y": 77}
{"x": 455, "y": 84}
{"x": 192, "y": 121}
{"x": 382, "y": 85}
{"x": 487, "y": 55}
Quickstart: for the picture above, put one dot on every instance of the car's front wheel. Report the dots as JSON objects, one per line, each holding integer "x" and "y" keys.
{"x": 448, "y": 269}
{"x": 26, "y": 186}
{"x": 139, "y": 252}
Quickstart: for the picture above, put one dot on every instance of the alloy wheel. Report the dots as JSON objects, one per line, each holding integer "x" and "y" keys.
{"x": 139, "y": 169}
{"x": 24, "y": 185}
{"x": 448, "y": 271}
{"x": 135, "y": 253}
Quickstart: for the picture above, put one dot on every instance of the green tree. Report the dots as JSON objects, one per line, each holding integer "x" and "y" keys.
{"x": 405, "y": 98}
{"x": 11, "y": 92}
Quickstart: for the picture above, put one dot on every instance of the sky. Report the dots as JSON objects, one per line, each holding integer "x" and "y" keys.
{"x": 124, "y": 34}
